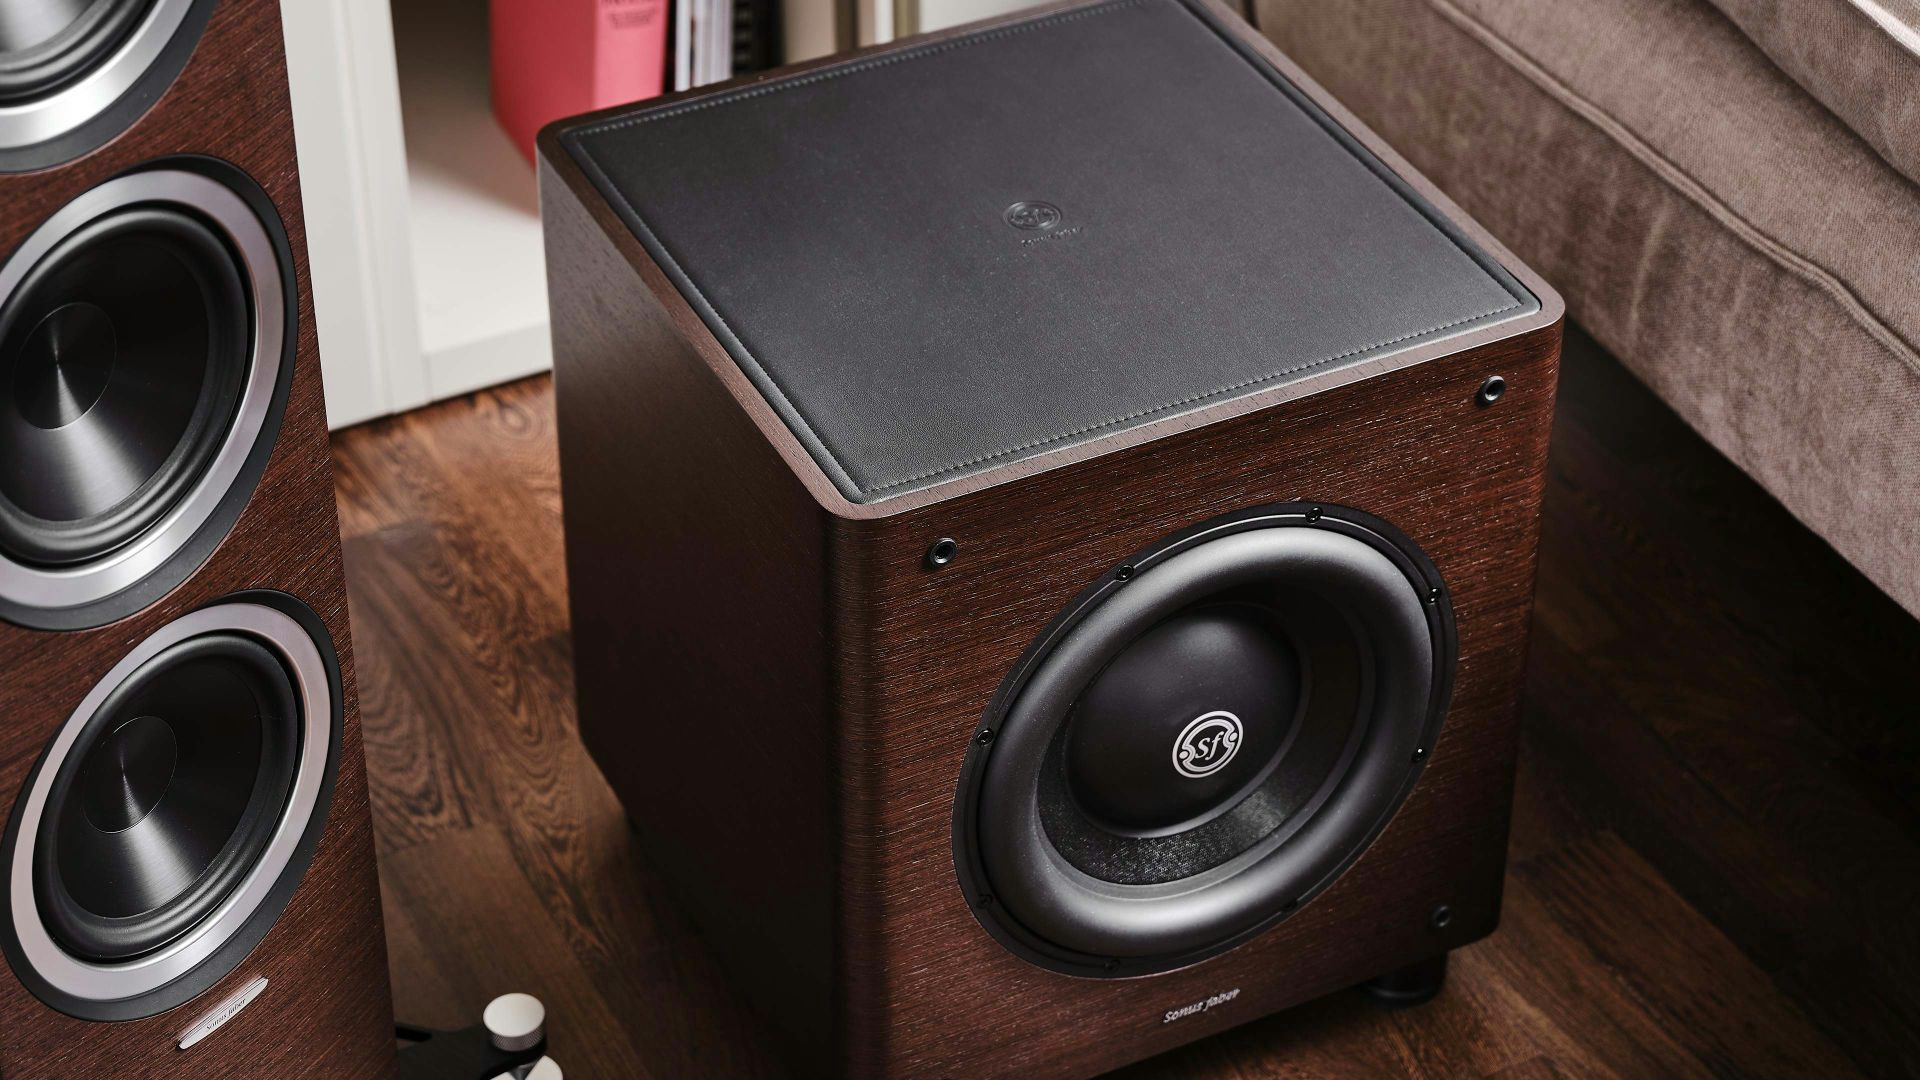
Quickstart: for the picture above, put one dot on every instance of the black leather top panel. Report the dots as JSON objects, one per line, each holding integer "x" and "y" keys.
{"x": 852, "y": 236}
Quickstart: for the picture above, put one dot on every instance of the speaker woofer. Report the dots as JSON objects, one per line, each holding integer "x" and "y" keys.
{"x": 171, "y": 818}
{"x": 143, "y": 361}
{"x": 1204, "y": 740}
{"x": 46, "y": 44}
{"x": 169, "y": 795}
{"x": 125, "y": 350}
{"x": 76, "y": 73}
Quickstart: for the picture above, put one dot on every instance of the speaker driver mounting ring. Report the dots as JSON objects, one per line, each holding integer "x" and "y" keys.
{"x": 238, "y": 222}
{"x": 101, "y": 85}
{"x": 215, "y": 934}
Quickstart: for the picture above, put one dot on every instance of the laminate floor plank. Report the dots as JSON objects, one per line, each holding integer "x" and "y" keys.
{"x": 466, "y": 887}
{"x": 458, "y": 576}
{"x": 1691, "y": 635}
{"x": 1635, "y": 956}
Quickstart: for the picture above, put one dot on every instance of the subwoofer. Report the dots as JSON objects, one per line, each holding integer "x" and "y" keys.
{"x": 1051, "y": 513}
{"x": 187, "y": 857}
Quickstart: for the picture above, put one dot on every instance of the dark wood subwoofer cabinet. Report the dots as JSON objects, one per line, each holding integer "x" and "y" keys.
{"x": 188, "y": 849}
{"x": 1051, "y": 513}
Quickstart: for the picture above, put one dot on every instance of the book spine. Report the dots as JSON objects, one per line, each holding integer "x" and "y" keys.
{"x": 720, "y": 61}
{"x": 558, "y": 58}
{"x": 540, "y": 70}
{"x": 683, "y": 44}
{"x": 630, "y": 50}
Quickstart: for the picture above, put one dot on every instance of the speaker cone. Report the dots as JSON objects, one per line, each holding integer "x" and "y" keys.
{"x": 168, "y": 796}
{"x": 175, "y": 811}
{"x": 142, "y": 358}
{"x": 70, "y": 69}
{"x": 124, "y": 350}
{"x": 1203, "y": 741}
{"x": 47, "y": 44}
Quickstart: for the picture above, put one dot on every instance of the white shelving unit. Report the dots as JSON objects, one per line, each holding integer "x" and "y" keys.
{"x": 423, "y": 221}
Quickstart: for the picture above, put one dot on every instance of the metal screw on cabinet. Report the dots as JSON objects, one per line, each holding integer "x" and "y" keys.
{"x": 1441, "y": 918}
{"x": 1492, "y": 390}
{"x": 943, "y": 551}
{"x": 1123, "y": 573}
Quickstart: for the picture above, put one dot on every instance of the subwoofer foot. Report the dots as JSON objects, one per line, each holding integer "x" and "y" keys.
{"x": 1403, "y": 988}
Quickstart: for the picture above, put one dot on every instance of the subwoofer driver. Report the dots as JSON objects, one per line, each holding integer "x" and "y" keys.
{"x": 1204, "y": 740}
{"x": 172, "y": 816}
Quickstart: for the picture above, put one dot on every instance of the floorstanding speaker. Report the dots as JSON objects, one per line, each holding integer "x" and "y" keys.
{"x": 188, "y": 860}
{"x": 1051, "y": 514}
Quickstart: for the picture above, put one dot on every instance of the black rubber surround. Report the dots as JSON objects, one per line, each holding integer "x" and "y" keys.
{"x": 226, "y": 867}
{"x": 38, "y": 71}
{"x": 1367, "y": 616}
{"x": 122, "y": 358}
{"x": 180, "y": 468}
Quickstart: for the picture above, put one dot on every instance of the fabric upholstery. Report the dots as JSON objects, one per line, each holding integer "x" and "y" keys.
{"x": 1744, "y": 253}
{"x": 1861, "y": 58}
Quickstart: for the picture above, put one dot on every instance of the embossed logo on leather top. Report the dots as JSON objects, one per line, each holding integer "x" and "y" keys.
{"x": 1032, "y": 216}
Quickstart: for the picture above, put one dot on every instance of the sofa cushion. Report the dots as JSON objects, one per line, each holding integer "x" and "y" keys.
{"x": 1861, "y": 58}
{"x": 1715, "y": 227}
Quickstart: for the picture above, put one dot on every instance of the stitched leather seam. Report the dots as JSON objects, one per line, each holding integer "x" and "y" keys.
{"x": 742, "y": 355}
{"x": 1192, "y": 399}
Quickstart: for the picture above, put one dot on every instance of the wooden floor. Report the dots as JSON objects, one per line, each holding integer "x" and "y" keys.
{"x": 1715, "y": 861}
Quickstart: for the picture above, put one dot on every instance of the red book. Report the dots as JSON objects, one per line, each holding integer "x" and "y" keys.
{"x": 555, "y": 58}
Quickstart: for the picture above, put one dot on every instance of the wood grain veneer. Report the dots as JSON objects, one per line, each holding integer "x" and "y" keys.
{"x": 327, "y": 1009}
{"x": 783, "y": 694}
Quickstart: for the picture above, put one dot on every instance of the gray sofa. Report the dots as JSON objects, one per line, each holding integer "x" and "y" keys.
{"x": 1726, "y": 191}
